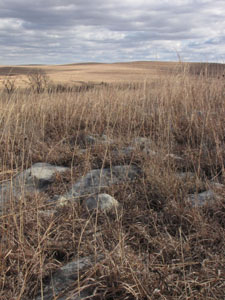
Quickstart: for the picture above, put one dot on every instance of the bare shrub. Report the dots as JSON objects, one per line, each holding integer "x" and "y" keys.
{"x": 9, "y": 84}
{"x": 38, "y": 80}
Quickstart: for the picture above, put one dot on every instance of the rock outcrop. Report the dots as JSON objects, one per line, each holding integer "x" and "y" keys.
{"x": 33, "y": 180}
{"x": 96, "y": 179}
{"x": 201, "y": 199}
{"x": 88, "y": 190}
{"x": 65, "y": 277}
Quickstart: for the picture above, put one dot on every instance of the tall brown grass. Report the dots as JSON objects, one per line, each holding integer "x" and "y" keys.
{"x": 157, "y": 246}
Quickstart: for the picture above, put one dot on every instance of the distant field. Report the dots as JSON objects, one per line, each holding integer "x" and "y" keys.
{"x": 101, "y": 72}
{"x": 94, "y": 72}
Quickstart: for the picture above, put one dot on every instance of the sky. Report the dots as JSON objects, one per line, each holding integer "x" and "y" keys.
{"x": 73, "y": 31}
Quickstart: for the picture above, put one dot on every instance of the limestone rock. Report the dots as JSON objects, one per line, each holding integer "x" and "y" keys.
{"x": 203, "y": 198}
{"x": 47, "y": 213}
{"x": 6, "y": 192}
{"x": 96, "y": 179}
{"x": 98, "y": 139}
{"x": 127, "y": 151}
{"x": 66, "y": 276}
{"x": 39, "y": 175}
{"x": 103, "y": 202}
{"x": 34, "y": 179}
{"x": 142, "y": 142}
{"x": 185, "y": 175}
{"x": 217, "y": 185}
{"x": 90, "y": 139}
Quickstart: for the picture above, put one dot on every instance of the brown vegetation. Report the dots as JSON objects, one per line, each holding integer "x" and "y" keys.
{"x": 157, "y": 246}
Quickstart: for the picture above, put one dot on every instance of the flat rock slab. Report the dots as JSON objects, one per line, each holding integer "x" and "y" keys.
{"x": 142, "y": 142}
{"x": 201, "y": 199}
{"x": 96, "y": 179}
{"x": 185, "y": 175}
{"x": 39, "y": 175}
{"x": 66, "y": 276}
{"x": 127, "y": 151}
{"x": 98, "y": 139}
{"x": 34, "y": 179}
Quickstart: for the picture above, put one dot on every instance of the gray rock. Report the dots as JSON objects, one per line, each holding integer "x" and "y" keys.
{"x": 96, "y": 179}
{"x": 106, "y": 140}
{"x": 47, "y": 213}
{"x": 98, "y": 139}
{"x": 174, "y": 157}
{"x": 142, "y": 142}
{"x": 125, "y": 151}
{"x": 201, "y": 199}
{"x": 90, "y": 139}
{"x": 82, "y": 151}
{"x": 6, "y": 192}
{"x": 150, "y": 152}
{"x": 34, "y": 179}
{"x": 103, "y": 202}
{"x": 185, "y": 175}
{"x": 66, "y": 276}
{"x": 39, "y": 175}
{"x": 131, "y": 149}
{"x": 217, "y": 185}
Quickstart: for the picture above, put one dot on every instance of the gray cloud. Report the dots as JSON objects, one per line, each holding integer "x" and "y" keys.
{"x": 56, "y": 31}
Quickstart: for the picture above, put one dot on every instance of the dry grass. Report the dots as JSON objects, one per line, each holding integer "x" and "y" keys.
{"x": 93, "y": 72}
{"x": 157, "y": 246}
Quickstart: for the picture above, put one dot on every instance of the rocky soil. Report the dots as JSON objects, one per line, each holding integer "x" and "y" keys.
{"x": 89, "y": 191}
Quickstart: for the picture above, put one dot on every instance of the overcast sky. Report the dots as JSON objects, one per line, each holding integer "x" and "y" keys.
{"x": 66, "y": 31}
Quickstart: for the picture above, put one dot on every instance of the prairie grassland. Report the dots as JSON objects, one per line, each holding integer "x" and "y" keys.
{"x": 136, "y": 71}
{"x": 158, "y": 246}
{"x": 97, "y": 72}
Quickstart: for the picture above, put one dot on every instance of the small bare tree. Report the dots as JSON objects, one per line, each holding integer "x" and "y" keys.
{"x": 38, "y": 80}
{"x": 9, "y": 84}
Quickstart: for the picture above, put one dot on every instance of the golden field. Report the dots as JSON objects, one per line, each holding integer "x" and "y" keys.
{"x": 97, "y": 72}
